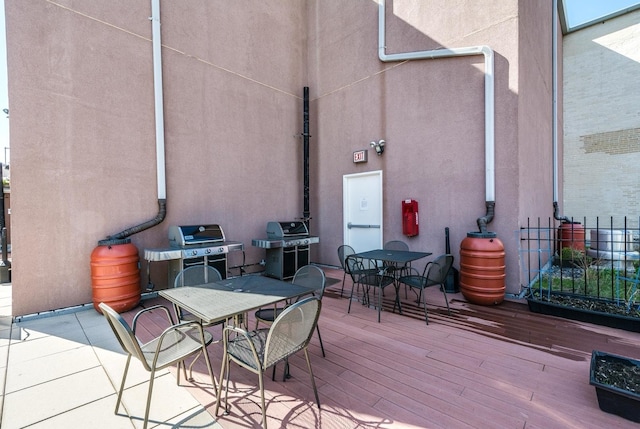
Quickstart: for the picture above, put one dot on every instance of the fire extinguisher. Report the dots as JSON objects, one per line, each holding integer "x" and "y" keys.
{"x": 410, "y": 220}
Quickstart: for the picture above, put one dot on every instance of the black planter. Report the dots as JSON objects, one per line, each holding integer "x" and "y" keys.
{"x": 627, "y": 323}
{"x": 612, "y": 399}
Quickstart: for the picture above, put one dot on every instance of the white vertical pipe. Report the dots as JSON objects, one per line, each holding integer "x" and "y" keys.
{"x": 554, "y": 119}
{"x": 489, "y": 90}
{"x": 159, "y": 103}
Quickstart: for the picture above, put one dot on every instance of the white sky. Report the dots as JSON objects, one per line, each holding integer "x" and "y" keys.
{"x": 581, "y": 11}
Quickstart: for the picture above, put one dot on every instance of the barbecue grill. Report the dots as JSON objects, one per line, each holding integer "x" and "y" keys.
{"x": 287, "y": 247}
{"x": 193, "y": 245}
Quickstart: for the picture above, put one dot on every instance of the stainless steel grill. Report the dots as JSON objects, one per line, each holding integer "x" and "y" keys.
{"x": 287, "y": 247}
{"x": 193, "y": 245}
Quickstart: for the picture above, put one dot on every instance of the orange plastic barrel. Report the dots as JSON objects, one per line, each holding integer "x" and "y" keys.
{"x": 482, "y": 269}
{"x": 570, "y": 234}
{"x": 115, "y": 275}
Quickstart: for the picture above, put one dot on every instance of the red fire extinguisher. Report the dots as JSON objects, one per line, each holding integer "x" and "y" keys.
{"x": 410, "y": 221}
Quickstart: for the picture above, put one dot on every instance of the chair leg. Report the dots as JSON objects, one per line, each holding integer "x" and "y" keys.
{"x": 262, "y": 402}
{"x": 313, "y": 379}
{"x": 184, "y": 367}
{"x": 146, "y": 412}
{"x": 223, "y": 376}
{"x": 446, "y": 300}
{"x": 208, "y": 361}
{"x": 353, "y": 285}
{"x": 424, "y": 302}
{"x": 320, "y": 338}
{"x": 124, "y": 377}
{"x": 287, "y": 370}
{"x": 379, "y": 302}
{"x": 344, "y": 278}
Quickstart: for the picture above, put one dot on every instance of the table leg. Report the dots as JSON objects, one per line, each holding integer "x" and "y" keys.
{"x": 396, "y": 285}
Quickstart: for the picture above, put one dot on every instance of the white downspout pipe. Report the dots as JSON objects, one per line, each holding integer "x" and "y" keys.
{"x": 489, "y": 97}
{"x": 159, "y": 103}
{"x": 554, "y": 110}
{"x": 159, "y": 119}
{"x": 554, "y": 77}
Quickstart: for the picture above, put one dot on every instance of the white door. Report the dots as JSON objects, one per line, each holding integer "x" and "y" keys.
{"x": 362, "y": 208}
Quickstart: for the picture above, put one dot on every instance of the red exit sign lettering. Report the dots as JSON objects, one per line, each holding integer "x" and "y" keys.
{"x": 360, "y": 156}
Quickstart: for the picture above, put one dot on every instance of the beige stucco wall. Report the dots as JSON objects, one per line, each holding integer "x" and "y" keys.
{"x": 602, "y": 126}
{"x": 82, "y": 127}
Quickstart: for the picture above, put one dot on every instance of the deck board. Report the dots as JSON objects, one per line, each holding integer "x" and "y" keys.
{"x": 491, "y": 367}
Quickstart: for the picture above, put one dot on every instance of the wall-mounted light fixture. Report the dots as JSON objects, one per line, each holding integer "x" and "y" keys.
{"x": 379, "y": 147}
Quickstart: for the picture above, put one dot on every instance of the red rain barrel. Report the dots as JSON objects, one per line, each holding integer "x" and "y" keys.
{"x": 482, "y": 268}
{"x": 115, "y": 275}
{"x": 570, "y": 234}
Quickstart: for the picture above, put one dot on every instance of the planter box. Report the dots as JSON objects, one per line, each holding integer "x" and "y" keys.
{"x": 627, "y": 323}
{"x": 612, "y": 399}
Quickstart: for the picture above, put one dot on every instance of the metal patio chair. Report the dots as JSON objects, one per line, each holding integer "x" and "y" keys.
{"x": 193, "y": 276}
{"x": 344, "y": 251}
{"x": 367, "y": 278}
{"x": 434, "y": 274}
{"x": 173, "y": 346}
{"x": 308, "y": 275}
{"x": 257, "y": 350}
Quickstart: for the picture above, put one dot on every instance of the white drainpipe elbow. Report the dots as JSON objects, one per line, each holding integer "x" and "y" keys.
{"x": 489, "y": 88}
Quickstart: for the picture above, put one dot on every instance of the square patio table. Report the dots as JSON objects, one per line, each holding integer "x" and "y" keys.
{"x": 396, "y": 257}
{"x": 227, "y": 298}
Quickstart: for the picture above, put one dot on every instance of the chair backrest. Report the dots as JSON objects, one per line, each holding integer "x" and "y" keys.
{"x": 344, "y": 251}
{"x": 438, "y": 269}
{"x": 311, "y": 276}
{"x": 292, "y": 330}
{"x": 123, "y": 333}
{"x": 352, "y": 265}
{"x": 197, "y": 275}
{"x": 396, "y": 245}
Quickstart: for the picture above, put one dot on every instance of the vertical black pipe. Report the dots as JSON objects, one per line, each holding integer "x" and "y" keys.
{"x": 305, "y": 135}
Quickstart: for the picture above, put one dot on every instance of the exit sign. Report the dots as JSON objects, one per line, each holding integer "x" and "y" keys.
{"x": 360, "y": 156}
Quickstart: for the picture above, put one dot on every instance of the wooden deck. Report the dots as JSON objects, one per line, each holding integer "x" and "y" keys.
{"x": 483, "y": 367}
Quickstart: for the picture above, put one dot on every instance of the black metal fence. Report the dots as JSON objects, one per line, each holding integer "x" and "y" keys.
{"x": 595, "y": 258}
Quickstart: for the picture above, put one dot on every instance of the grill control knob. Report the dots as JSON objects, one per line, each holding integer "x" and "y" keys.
{"x": 306, "y": 241}
{"x": 194, "y": 252}
{"x": 221, "y": 250}
{"x": 207, "y": 251}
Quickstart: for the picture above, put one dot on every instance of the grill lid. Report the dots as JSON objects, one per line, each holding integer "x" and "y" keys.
{"x": 287, "y": 229}
{"x": 181, "y": 236}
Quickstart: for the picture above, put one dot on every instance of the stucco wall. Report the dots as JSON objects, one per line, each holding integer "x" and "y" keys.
{"x": 82, "y": 127}
{"x": 602, "y": 127}
{"x": 431, "y": 114}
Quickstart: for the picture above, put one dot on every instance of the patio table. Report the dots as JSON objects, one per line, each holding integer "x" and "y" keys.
{"x": 231, "y": 297}
{"x": 394, "y": 257}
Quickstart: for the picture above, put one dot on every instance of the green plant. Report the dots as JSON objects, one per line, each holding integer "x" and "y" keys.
{"x": 571, "y": 254}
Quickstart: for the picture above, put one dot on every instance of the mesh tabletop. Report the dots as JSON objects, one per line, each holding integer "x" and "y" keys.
{"x": 224, "y": 299}
{"x": 395, "y": 256}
